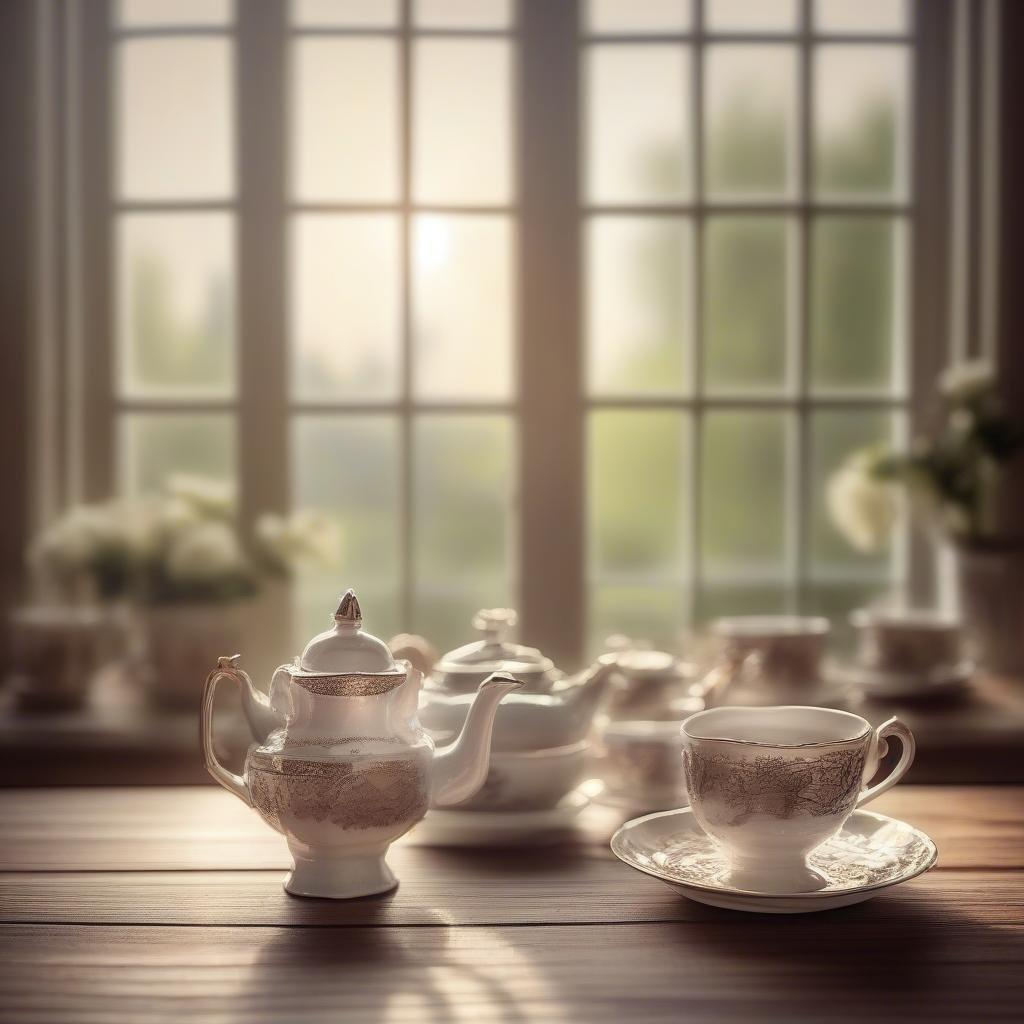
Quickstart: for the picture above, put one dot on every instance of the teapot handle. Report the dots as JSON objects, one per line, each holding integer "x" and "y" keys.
{"x": 226, "y": 668}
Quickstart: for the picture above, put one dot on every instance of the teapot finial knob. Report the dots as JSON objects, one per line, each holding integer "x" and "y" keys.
{"x": 495, "y": 623}
{"x": 349, "y": 613}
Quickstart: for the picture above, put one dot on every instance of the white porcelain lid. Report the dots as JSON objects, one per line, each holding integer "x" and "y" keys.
{"x": 494, "y": 652}
{"x": 644, "y": 664}
{"x": 346, "y": 648}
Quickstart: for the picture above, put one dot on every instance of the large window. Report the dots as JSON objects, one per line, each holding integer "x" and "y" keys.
{"x": 745, "y": 219}
{"x": 396, "y": 287}
{"x": 319, "y": 228}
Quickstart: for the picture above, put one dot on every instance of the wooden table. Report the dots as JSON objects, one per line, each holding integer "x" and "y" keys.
{"x": 153, "y": 904}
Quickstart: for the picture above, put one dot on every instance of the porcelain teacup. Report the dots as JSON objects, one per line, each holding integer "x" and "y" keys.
{"x": 907, "y": 641}
{"x": 771, "y": 784}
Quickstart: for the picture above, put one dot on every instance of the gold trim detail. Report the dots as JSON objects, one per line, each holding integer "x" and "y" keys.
{"x": 349, "y": 684}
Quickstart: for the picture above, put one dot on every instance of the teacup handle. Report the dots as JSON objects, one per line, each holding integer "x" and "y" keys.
{"x": 894, "y": 727}
{"x": 227, "y": 668}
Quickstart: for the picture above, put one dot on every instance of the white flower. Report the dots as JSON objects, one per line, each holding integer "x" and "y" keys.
{"x": 206, "y": 553}
{"x": 304, "y": 536}
{"x": 862, "y": 507}
{"x": 207, "y": 496}
{"x": 156, "y": 522}
{"x": 964, "y": 382}
{"x": 78, "y": 540}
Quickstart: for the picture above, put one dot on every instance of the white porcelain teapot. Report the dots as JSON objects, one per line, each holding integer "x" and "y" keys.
{"x": 341, "y": 766}
{"x": 541, "y": 735}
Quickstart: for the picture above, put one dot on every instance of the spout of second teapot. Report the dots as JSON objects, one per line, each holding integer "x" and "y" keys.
{"x": 583, "y": 692}
{"x": 460, "y": 769}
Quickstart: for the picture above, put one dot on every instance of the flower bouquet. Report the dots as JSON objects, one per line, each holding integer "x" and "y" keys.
{"x": 950, "y": 483}
{"x": 175, "y": 570}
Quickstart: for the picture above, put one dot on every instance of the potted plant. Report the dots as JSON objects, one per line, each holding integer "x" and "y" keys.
{"x": 82, "y": 565}
{"x": 950, "y": 483}
{"x": 177, "y": 564}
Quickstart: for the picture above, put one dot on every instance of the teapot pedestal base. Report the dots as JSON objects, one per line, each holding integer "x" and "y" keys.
{"x": 332, "y": 874}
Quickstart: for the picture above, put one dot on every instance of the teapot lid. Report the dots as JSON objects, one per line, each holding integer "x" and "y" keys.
{"x": 346, "y": 648}
{"x": 494, "y": 652}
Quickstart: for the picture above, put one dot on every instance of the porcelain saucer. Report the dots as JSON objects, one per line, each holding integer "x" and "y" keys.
{"x": 501, "y": 828}
{"x": 872, "y": 682}
{"x": 871, "y": 853}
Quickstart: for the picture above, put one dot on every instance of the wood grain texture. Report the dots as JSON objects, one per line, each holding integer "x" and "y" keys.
{"x": 451, "y": 893}
{"x": 205, "y": 829}
{"x": 820, "y": 969}
{"x": 166, "y": 904}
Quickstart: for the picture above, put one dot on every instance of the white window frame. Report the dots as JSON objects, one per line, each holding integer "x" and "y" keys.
{"x": 551, "y": 401}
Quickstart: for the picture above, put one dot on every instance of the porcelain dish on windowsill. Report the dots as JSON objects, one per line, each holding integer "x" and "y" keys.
{"x": 942, "y": 681}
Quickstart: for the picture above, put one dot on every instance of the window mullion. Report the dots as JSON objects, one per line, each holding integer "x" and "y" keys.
{"x": 552, "y": 514}
{"x": 261, "y": 238}
{"x": 407, "y": 496}
{"x": 800, "y": 498}
{"x": 930, "y": 339}
{"x": 697, "y": 332}
{"x": 91, "y": 456}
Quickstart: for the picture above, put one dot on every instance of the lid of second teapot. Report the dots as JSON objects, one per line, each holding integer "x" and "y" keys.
{"x": 346, "y": 647}
{"x": 494, "y": 652}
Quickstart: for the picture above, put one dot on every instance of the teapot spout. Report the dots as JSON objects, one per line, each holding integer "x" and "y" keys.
{"x": 461, "y": 768}
{"x": 583, "y": 692}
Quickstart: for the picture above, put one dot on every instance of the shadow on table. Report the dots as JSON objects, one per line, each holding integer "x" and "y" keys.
{"x": 870, "y": 958}
{"x": 379, "y": 974}
{"x": 551, "y": 861}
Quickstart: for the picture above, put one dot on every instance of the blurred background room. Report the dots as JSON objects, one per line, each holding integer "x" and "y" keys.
{"x": 632, "y": 315}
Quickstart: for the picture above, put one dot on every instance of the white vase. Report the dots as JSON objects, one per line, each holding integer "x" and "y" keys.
{"x": 56, "y": 652}
{"x": 990, "y": 591}
{"x": 179, "y": 644}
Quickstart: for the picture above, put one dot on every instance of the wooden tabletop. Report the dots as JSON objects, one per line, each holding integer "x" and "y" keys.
{"x": 152, "y": 904}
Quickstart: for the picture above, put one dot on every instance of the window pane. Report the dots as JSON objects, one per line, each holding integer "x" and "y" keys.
{"x": 748, "y": 279}
{"x": 857, "y": 292}
{"x": 463, "y": 13}
{"x": 462, "y": 306}
{"x": 462, "y": 124}
{"x": 144, "y": 13}
{"x": 638, "y": 124}
{"x": 175, "y": 119}
{"x": 464, "y": 487}
{"x": 346, "y": 306}
{"x": 837, "y": 600}
{"x": 834, "y": 435}
{"x": 655, "y": 614}
{"x": 638, "y": 505}
{"x": 348, "y": 467}
{"x": 861, "y": 15}
{"x": 751, "y": 15}
{"x": 345, "y": 120}
{"x": 743, "y": 500}
{"x": 345, "y": 13}
{"x": 155, "y": 446}
{"x": 750, "y": 98}
{"x": 639, "y": 304}
{"x": 716, "y": 600}
{"x": 639, "y": 15}
{"x": 176, "y": 304}
{"x": 860, "y": 120}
